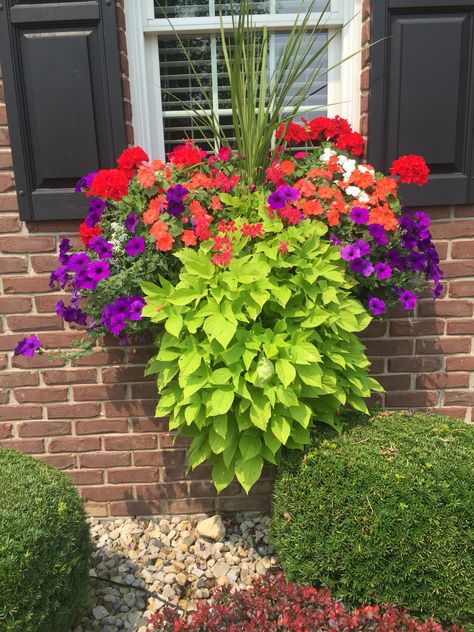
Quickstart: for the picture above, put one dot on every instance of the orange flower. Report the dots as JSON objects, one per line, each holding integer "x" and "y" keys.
{"x": 164, "y": 242}
{"x": 320, "y": 173}
{"x": 158, "y": 229}
{"x": 153, "y": 211}
{"x": 188, "y": 238}
{"x": 157, "y": 165}
{"x": 333, "y": 217}
{"x": 326, "y": 193}
{"x": 360, "y": 179}
{"x": 384, "y": 216}
{"x": 197, "y": 208}
{"x": 199, "y": 180}
{"x": 311, "y": 207}
{"x": 384, "y": 187}
{"x": 216, "y": 204}
{"x": 287, "y": 167}
{"x": 333, "y": 165}
{"x": 146, "y": 176}
{"x": 306, "y": 188}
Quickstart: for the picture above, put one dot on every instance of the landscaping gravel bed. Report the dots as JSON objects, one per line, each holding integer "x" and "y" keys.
{"x": 179, "y": 559}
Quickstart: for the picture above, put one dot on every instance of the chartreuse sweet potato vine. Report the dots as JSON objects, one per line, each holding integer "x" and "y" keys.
{"x": 251, "y": 353}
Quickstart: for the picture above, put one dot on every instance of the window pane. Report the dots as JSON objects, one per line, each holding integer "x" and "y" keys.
{"x": 199, "y": 8}
{"x": 181, "y": 9}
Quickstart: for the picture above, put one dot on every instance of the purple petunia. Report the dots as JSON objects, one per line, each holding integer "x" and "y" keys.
{"x": 350, "y": 252}
{"x": 361, "y": 266}
{"x": 78, "y": 262}
{"x": 359, "y": 215}
{"x": 407, "y": 299}
{"x": 82, "y": 281}
{"x": 364, "y": 247}
{"x": 114, "y": 316}
{"x": 28, "y": 346}
{"x": 131, "y": 222}
{"x": 85, "y": 182}
{"x": 377, "y": 232}
{"x": 101, "y": 247}
{"x": 281, "y": 196}
{"x": 397, "y": 260}
{"x": 175, "y": 196}
{"x": 64, "y": 248}
{"x": 136, "y": 308}
{"x": 376, "y": 305}
{"x": 135, "y": 246}
{"x": 417, "y": 261}
{"x": 383, "y": 271}
{"x": 334, "y": 240}
{"x": 71, "y": 314}
{"x": 95, "y": 212}
{"x": 60, "y": 275}
{"x": 98, "y": 270}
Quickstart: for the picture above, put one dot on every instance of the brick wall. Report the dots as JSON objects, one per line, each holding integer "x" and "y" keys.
{"x": 427, "y": 360}
{"x": 95, "y": 421}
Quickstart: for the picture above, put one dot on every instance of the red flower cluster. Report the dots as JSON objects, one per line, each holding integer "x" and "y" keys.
{"x": 111, "y": 184}
{"x": 86, "y": 233}
{"x": 130, "y": 159}
{"x": 272, "y": 605}
{"x": 410, "y": 169}
{"x": 321, "y": 129}
{"x": 186, "y": 155}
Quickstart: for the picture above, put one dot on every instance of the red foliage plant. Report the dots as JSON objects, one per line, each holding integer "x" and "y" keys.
{"x": 273, "y": 605}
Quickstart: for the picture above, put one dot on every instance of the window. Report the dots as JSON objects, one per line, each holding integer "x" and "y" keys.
{"x": 160, "y": 72}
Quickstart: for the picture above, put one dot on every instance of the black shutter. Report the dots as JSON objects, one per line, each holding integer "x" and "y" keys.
{"x": 61, "y": 71}
{"x": 422, "y": 93}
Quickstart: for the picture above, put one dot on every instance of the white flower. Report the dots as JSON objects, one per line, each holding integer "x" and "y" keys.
{"x": 366, "y": 169}
{"x": 327, "y": 153}
{"x": 354, "y": 191}
{"x": 363, "y": 197}
{"x": 119, "y": 236}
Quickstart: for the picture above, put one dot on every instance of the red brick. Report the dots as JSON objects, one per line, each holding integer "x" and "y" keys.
{"x": 129, "y": 408}
{"x": 462, "y": 250}
{"x": 442, "y": 249}
{"x": 443, "y": 380}
{"x": 460, "y": 398}
{"x": 26, "y": 284}
{"x": 19, "y": 378}
{"x": 15, "y": 305}
{"x": 60, "y": 461}
{"x": 170, "y": 440}
{"x": 146, "y": 424}
{"x": 458, "y": 268}
{"x": 460, "y": 363}
{"x": 40, "y": 395}
{"x": 203, "y": 505}
{"x": 3, "y": 361}
{"x": 10, "y": 225}
{"x": 135, "y": 508}
{"x": 30, "y": 446}
{"x": 5, "y": 430}
{"x": 34, "y": 323}
{"x": 121, "y": 374}
{"x": 100, "y": 357}
{"x": 65, "y": 226}
{"x": 376, "y": 329}
{"x": 444, "y": 345}
{"x": 414, "y": 364}
{"x": 452, "y": 230}
{"x": 17, "y": 411}
{"x": 74, "y": 444}
{"x": 70, "y": 411}
{"x": 70, "y": 376}
{"x": 3, "y": 116}
{"x": 99, "y": 510}
{"x": 102, "y": 459}
{"x": 389, "y": 347}
{"x": 61, "y": 339}
{"x": 44, "y": 428}
{"x": 139, "y": 355}
{"x": 423, "y": 327}
{"x": 99, "y": 392}
{"x": 86, "y": 477}
{"x": 38, "y": 362}
{"x": 166, "y": 458}
{"x": 451, "y": 411}
{"x": 12, "y": 264}
{"x": 445, "y": 308}
{"x": 134, "y": 475}
{"x": 377, "y": 365}
{"x": 27, "y": 244}
{"x": 147, "y": 390}
{"x": 419, "y": 399}
{"x": 4, "y": 396}
{"x": 44, "y": 263}
{"x": 47, "y": 303}
{"x": 200, "y": 489}
{"x": 242, "y": 503}
{"x": 100, "y": 426}
{"x": 157, "y": 491}
{"x": 8, "y": 202}
{"x": 464, "y": 211}
{"x": 395, "y": 382}
{"x": 106, "y": 493}
{"x": 4, "y": 137}
{"x": 130, "y": 442}
{"x": 461, "y": 326}
{"x": 6, "y": 160}
{"x": 7, "y": 182}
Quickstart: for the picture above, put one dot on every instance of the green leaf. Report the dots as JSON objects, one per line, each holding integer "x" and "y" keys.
{"x": 216, "y": 442}
{"x": 281, "y": 428}
{"x": 310, "y": 375}
{"x": 197, "y": 262}
{"x": 219, "y": 328}
{"x": 174, "y": 324}
{"x": 221, "y": 376}
{"x": 220, "y": 425}
{"x": 285, "y": 371}
{"x": 249, "y": 445}
{"x": 220, "y": 402}
{"x": 248, "y": 471}
{"x": 222, "y": 475}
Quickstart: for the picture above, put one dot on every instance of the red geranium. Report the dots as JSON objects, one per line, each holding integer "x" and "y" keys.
{"x": 87, "y": 233}
{"x": 130, "y": 159}
{"x": 186, "y": 155}
{"x": 111, "y": 184}
{"x": 410, "y": 169}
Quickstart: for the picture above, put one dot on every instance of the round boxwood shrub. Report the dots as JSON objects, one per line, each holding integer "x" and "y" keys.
{"x": 44, "y": 547}
{"x": 383, "y": 512}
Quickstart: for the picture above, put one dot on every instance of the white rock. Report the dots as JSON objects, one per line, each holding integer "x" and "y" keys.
{"x": 100, "y": 612}
{"x": 212, "y": 528}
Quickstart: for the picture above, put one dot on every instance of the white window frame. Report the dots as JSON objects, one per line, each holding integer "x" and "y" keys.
{"x": 143, "y": 30}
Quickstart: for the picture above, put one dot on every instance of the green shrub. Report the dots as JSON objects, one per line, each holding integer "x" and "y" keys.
{"x": 383, "y": 512}
{"x": 44, "y": 547}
